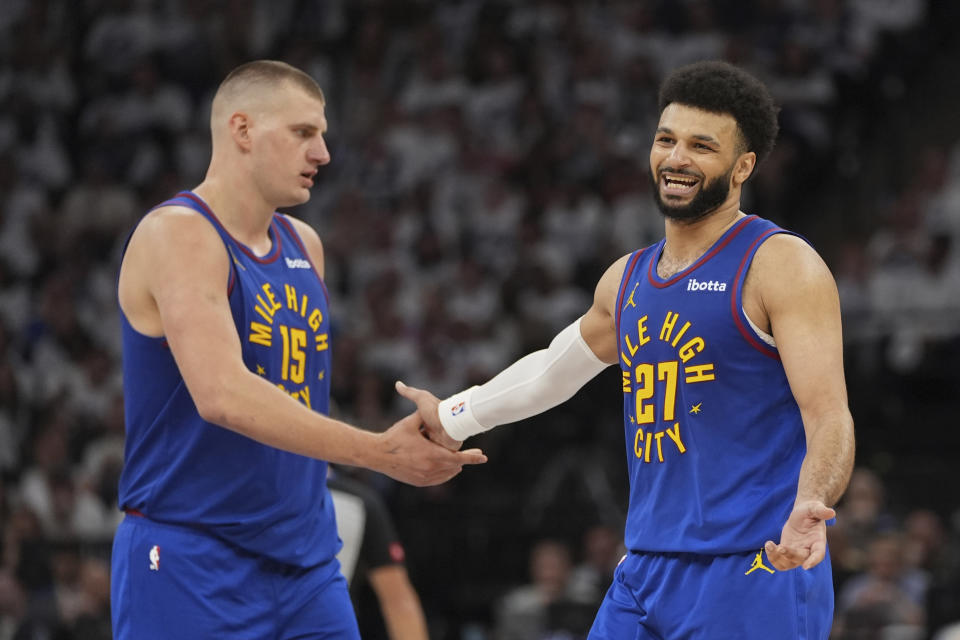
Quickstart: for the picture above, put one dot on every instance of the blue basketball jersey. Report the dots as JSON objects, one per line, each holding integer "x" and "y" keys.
{"x": 714, "y": 439}
{"x": 180, "y": 469}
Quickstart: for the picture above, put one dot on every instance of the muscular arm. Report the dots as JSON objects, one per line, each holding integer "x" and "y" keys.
{"x": 598, "y": 325}
{"x": 399, "y": 602}
{"x": 797, "y": 295}
{"x": 173, "y": 282}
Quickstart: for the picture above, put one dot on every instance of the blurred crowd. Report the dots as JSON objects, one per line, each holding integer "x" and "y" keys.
{"x": 489, "y": 162}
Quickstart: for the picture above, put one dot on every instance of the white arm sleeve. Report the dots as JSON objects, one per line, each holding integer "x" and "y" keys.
{"x": 531, "y": 385}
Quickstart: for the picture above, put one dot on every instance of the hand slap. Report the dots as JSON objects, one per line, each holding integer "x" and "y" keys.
{"x": 411, "y": 458}
{"x": 428, "y": 408}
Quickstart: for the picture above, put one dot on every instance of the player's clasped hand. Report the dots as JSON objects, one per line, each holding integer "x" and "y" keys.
{"x": 427, "y": 404}
{"x": 803, "y": 541}
{"x": 413, "y": 459}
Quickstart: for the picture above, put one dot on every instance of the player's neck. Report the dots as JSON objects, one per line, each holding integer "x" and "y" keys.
{"x": 686, "y": 243}
{"x": 240, "y": 209}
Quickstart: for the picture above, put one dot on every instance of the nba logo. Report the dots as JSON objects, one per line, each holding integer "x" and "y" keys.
{"x": 155, "y": 558}
{"x": 458, "y": 408}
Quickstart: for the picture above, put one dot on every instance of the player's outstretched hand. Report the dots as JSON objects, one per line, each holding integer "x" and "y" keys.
{"x": 803, "y": 541}
{"x": 428, "y": 407}
{"x": 409, "y": 457}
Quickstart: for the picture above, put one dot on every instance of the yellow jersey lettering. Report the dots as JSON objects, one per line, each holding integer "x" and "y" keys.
{"x": 315, "y": 319}
{"x": 267, "y": 291}
{"x": 643, "y": 375}
{"x": 285, "y": 369}
{"x": 303, "y": 307}
{"x": 632, "y": 349}
{"x": 260, "y": 334}
{"x": 667, "y": 329}
{"x": 626, "y": 381}
{"x": 644, "y": 441}
{"x": 321, "y": 342}
{"x": 683, "y": 330}
{"x": 642, "y": 336}
{"x": 691, "y": 348}
{"x": 263, "y": 312}
{"x": 674, "y": 434}
{"x": 699, "y": 373}
{"x": 298, "y": 340}
{"x": 658, "y": 436}
{"x": 305, "y": 396}
{"x": 667, "y": 371}
{"x": 638, "y": 444}
{"x": 291, "y": 297}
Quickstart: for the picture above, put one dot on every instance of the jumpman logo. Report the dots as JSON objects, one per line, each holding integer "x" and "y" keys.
{"x": 235, "y": 260}
{"x": 758, "y": 564}
{"x": 630, "y": 301}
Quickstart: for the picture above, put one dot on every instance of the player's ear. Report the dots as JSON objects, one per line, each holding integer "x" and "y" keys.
{"x": 743, "y": 167}
{"x": 239, "y": 125}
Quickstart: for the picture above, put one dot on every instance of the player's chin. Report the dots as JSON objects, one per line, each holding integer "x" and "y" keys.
{"x": 300, "y": 196}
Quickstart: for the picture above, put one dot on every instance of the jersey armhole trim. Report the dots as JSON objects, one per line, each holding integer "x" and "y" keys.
{"x": 736, "y": 300}
{"x": 208, "y": 212}
{"x": 306, "y": 255}
{"x": 624, "y": 280}
{"x": 729, "y": 235}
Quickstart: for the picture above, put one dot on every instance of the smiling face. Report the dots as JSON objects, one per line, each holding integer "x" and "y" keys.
{"x": 287, "y": 146}
{"x": 697, "y": 162}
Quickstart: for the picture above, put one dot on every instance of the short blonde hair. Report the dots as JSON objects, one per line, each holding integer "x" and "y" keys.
{"x": 269, "y": 74}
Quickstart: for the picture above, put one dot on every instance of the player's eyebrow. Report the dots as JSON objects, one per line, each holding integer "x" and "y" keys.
{"x": 702, "y": 137}
{"x": 705, "y": 138}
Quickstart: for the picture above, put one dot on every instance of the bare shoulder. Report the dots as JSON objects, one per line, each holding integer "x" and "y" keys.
{"x": 598, "y": 324}
{"x": 172, "y": 252}
{"x": 179, "y": 225}
{"x": 175, "y": 238}
{"x": 788, "y": 276}
{"x": 311, "y": 240}
{"x": 605, "y": 295}
{"x": 787, "y": 262}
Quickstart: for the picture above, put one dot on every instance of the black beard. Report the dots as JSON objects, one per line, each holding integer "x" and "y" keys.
{"x": 707, "y": 199}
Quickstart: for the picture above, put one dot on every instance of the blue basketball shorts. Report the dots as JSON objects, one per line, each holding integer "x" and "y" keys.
{"x": 176, "y": 582}
{"x": 681, "y": 596}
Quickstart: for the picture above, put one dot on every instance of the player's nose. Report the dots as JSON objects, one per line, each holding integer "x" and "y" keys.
{"x": 679, "y": 155}
{"x": 318, "y": 153}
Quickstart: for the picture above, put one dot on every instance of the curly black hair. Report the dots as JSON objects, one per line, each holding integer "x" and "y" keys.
{"x": 720, "y": 87}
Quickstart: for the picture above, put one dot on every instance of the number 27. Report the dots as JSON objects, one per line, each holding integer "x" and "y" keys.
{"x": 644, "y": 377}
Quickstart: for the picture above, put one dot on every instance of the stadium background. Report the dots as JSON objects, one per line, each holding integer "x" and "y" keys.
{"x": 489, "y": 161}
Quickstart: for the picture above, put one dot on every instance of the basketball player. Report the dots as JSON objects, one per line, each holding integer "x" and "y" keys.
{"x": 727, "y": 333}
{"x": 230, "y": 529}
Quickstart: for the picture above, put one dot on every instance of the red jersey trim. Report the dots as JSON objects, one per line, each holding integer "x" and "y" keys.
{"x": 277, "y": 243}
{"x": 306, "y": 254}
{"x": 731, "y": 234}
{"x": 233, "y": 277}
{"x": 748, "y": 333}
{"x": 624, "y": 282}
